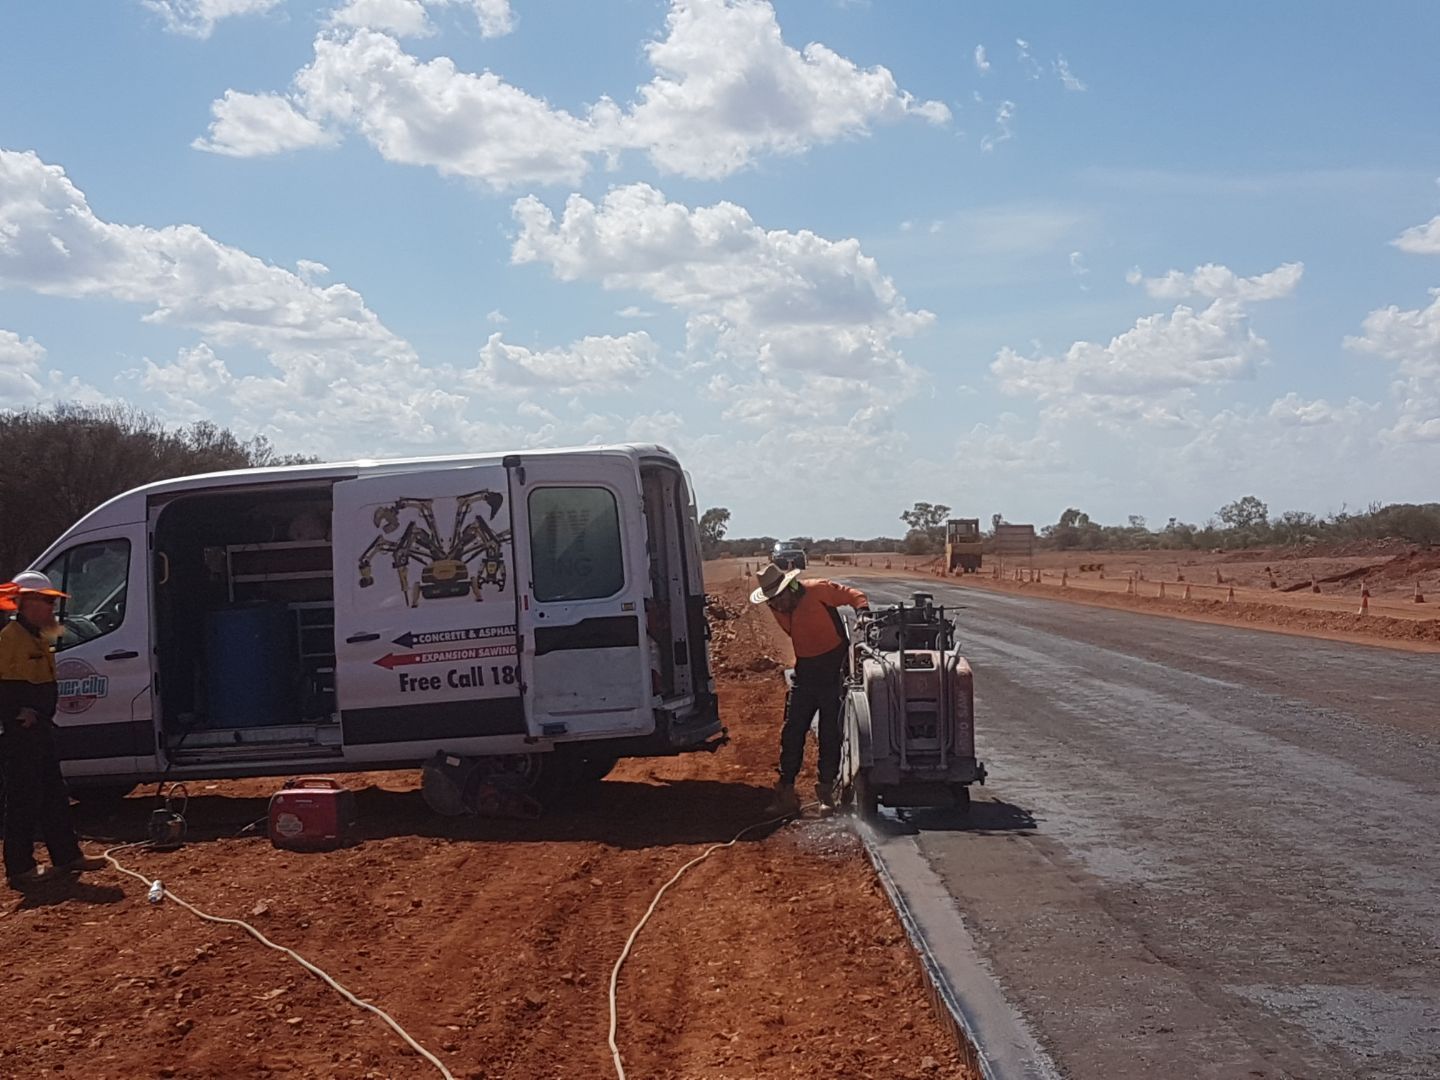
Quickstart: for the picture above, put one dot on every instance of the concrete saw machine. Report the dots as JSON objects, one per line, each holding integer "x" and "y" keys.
{"x": 908, "y": 718}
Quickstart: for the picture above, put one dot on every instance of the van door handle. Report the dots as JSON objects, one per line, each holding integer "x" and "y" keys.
{"x": 123, "y": 654}
{"x": 355, "y": 639}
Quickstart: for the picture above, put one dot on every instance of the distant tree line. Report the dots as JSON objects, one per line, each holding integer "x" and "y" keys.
{"x": 59, "y": 463}
{"x": 1244, "y": 523}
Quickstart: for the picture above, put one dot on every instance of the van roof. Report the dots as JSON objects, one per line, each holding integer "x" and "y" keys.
{"x": 130, "y": 506}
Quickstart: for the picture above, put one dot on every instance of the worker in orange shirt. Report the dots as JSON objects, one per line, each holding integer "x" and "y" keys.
{"x": 808, "y": 611}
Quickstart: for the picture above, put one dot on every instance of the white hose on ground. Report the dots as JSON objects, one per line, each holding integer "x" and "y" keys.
{"x": 306, "y": 964}
{"x": 630, "y": 941}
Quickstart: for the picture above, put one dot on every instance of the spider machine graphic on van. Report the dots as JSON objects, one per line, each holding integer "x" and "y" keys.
{"x": 472, "y": 557}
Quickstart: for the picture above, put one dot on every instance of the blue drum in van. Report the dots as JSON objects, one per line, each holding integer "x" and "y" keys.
{"x": 252, "y": 662}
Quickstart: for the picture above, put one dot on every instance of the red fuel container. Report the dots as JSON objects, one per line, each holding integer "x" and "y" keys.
{"x": 311, "y": 813}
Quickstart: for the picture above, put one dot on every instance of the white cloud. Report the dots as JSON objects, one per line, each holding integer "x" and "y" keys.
{"x": 1292, "y": 410}
{"x": 1159, "y": 355}
{"x": 982, "y": 64}
{"x": 1062, "y": 68}
{"x": 422, "y": 113}
{"x": 309, "y": 269}
{"x": 727, "y": 90}
{"x": 246, "y": 125}
{"x": 1027, "y": 61}
{"x": 1411, "y": 339}
{"x": 496, "y": 318}
{"x": 1421, "y": 239}
{"x": 768, "y": 301}
{"x": 633, "y": 312}
{"x": 54, "y": 244}
{"x": 496, "y": 18}
{"x": 1077, "y": 264}
{"x": 197, "y": 18}
{"x": 1220, "y": 282}
{"x": 593, "y": 363}
{"x": 19, "y": 367}
{"x": 410, "y": 18}
{"x": 404, "y": 18}
{"x": 1004, "y": 132}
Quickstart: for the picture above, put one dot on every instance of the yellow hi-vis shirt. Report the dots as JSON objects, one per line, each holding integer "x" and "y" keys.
{"x": 24, "y": 657}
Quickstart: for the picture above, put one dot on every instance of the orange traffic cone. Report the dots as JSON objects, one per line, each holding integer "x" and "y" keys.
{"x": 1364, "y": 598}
{"x": 1419, "y": 596}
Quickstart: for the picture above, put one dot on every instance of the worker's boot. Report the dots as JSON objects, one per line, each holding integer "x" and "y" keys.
{"x": 825, "y": 793}
{"x": 784, "y": 801}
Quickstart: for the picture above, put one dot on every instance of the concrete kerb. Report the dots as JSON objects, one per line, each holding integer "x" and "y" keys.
{"x": 990, "y": 1035}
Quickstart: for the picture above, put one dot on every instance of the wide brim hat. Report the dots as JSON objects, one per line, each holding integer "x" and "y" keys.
{"x": 773, "y": 581}
{"x": 33, "y": 582}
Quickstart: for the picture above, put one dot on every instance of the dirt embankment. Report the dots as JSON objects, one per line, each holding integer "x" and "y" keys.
{"x": 490, "y": 941}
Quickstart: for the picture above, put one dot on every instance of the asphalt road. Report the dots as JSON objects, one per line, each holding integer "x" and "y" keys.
{"x": 1203, "y": 851}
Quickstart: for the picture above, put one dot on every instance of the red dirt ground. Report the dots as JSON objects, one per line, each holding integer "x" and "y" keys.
{"x": 490, "y": 941}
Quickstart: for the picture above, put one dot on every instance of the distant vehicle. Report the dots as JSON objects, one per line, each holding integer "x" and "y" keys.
{"x": 789, "y": 558}
{"x": 962, "y": 545}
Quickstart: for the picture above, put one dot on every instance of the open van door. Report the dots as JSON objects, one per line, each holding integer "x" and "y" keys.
{"x": 581, "y": 565}
{"x": 425, "y": 630}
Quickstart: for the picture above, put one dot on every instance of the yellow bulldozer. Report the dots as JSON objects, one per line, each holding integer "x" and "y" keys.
{"x": 962, "y": 546}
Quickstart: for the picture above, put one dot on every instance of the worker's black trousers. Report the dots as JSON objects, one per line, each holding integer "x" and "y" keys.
{"x": 35, "y": 795}
{"x": 818, "y": 684}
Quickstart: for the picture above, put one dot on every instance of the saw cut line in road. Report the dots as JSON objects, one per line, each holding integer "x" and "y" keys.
{"x": 988, "y": 1030}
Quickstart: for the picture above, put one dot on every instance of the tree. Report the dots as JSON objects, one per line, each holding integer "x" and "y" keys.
{"x": 925, "y": 516}
{"x": 1246, "y": 513}
{"x": 713, "y": 524}
{"x": 62, "y": 462}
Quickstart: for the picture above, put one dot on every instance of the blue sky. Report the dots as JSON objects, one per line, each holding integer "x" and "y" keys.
{"x": 841, "y": 256}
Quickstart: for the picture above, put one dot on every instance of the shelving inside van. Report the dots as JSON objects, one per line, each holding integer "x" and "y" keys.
{"x": 245, "y": 623}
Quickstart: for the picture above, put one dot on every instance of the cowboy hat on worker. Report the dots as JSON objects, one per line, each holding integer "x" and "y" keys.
{"x": 773, "y": 581}
{"x": 33, "y": 582}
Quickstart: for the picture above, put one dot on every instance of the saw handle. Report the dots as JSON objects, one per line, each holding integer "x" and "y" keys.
{"x": 329, "y": 783}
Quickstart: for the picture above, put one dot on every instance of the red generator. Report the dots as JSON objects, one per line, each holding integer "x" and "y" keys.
{"x": 311, "y": 813}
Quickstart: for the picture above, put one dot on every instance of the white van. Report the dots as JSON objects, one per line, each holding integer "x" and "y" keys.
{"x": 547, "y": 606}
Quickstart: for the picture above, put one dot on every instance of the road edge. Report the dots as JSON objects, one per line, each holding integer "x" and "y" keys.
{"x": 991, "y": 1036}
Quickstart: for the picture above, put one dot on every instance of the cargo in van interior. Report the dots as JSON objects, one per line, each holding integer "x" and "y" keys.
{"x": 245, "y": 624}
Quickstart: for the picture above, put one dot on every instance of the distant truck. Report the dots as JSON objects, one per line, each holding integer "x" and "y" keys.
{"x": 962, "y": 545}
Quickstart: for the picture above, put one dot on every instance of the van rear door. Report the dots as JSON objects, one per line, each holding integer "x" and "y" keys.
{"x": 581, "y": 565}
{"x": 425, "y": 628}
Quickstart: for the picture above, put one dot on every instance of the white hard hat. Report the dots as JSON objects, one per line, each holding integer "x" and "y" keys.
{"x": 33, "y": 581}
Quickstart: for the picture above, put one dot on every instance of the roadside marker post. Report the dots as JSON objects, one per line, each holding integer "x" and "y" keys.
{"x": 1187, "y": 592}
{"x": 1419, "y": 596}
{"x": 1230, "y": 597}
{"x": 1162, "y": 590}
{"x": 1314, "y": 585}
{"x": 1364, "y": 598}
